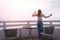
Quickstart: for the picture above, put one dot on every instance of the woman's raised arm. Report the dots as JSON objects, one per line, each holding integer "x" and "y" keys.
{"x": 34, "y": 14}
{"x": 47, "y": 16}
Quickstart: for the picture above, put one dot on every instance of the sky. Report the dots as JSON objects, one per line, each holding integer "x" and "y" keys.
{"x": 23, "y": 9}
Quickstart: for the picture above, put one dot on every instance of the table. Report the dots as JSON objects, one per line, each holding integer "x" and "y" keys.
{"x": 30, "y": 29}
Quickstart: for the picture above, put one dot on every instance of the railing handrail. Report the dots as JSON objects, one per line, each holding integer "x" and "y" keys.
{"x": 32, "y": 21}
{"x": 28, "y": 23}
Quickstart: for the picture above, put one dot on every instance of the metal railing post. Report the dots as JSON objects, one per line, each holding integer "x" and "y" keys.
{"x": 4, "y": 25}
{"x": 50, "y": 23}
{"x": 28, "y": 24}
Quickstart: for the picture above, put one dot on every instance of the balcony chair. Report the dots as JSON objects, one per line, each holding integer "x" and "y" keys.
{"x": 10, "y": 34}
{"x": 48, "y": 32}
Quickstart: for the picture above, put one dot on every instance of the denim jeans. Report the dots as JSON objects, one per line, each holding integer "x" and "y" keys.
{"x": 40, "y": 28}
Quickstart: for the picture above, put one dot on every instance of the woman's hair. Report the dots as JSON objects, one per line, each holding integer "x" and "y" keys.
{"x": 39, "y": 13}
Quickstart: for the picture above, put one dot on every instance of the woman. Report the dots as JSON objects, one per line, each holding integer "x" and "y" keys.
{"x": 39, "y": 21}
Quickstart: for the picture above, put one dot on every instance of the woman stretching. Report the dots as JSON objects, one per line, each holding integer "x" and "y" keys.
{"x": 39, "y": 21}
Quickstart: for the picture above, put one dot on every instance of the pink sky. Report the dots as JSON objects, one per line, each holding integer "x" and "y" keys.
{"x": 23, "y": 9}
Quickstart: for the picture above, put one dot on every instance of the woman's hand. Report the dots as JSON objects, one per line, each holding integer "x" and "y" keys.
{"x": 34, "y": 14}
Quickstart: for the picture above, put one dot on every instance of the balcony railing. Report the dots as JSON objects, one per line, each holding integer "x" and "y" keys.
{"x": 30, "y": 23}
{"x": 27, "y": 23}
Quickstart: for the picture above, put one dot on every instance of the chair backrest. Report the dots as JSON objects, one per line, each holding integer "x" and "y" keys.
{"x": 10, "y": 32}
{"x": 49, "y": 30}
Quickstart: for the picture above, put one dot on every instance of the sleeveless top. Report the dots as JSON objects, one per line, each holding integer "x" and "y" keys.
{"x": 40, "y": 18}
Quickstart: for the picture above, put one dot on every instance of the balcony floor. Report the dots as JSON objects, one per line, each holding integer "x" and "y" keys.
{"x": 34, "y": 39}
